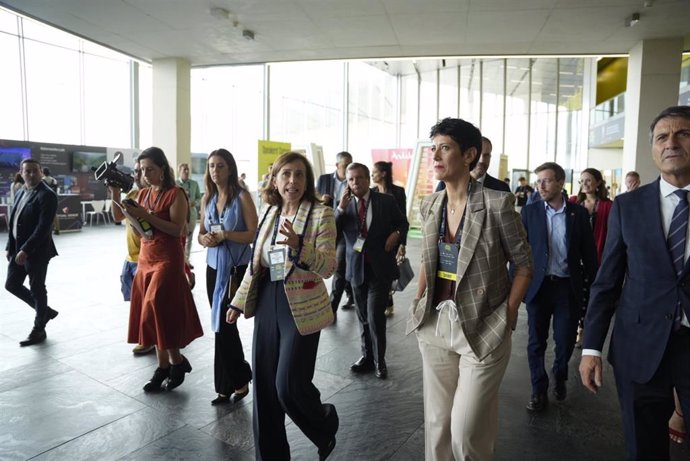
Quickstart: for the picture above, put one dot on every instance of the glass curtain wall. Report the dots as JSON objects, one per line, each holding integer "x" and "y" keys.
{"x": 306, "y": 105}
{"x": 544, "y": 85}
{"x": 372, "y": 96}
{"x": 493, "y": 90}
{"x": 58, "y": 88}
{"x": 11, "y": 115}
{"x": 228, "y": 112}
{"x": 517, "y": 111}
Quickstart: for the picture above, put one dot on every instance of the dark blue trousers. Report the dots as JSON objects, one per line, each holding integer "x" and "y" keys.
{"x": 553, "y": 300}
{"x": 36, "y": 296}
{"x": 647, "y": 407}
{"x": 371, "y": 300}
{"x": 283, "y": 363}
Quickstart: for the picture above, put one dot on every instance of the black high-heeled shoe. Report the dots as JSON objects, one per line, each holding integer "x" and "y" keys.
{"x": 221, "y": 400}
{"x": 177, "y": 373}
{"x": 237, "y": 396}
{"x": 154, "y": 384}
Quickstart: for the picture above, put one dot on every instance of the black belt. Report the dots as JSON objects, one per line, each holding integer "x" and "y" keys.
{"x": 554, "y": 278}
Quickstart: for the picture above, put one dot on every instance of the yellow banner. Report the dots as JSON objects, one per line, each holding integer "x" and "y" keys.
{"x": 269, "y": 151}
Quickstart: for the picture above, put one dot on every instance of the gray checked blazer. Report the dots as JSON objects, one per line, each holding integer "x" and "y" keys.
{"x": 493, "y": 234}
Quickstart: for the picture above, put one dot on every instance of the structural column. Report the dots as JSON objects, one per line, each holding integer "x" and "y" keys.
{"x": 171, "y": 109}
{"x": 653, "y": 80}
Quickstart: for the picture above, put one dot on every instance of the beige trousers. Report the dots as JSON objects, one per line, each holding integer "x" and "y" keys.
{"x": 460, "y": 392}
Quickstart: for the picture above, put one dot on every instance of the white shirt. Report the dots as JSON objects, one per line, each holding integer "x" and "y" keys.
{"x": 668, "y": 201}
{"x": 367, "y": 205}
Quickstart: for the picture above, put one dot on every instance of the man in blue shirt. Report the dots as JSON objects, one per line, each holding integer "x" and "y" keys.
{"x": 565, "y": 262}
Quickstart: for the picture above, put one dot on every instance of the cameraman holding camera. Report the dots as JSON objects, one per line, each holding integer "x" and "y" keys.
{"x": 129, "y": 268}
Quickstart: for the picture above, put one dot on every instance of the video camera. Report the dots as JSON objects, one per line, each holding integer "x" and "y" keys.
{"x": 111, "y": 176}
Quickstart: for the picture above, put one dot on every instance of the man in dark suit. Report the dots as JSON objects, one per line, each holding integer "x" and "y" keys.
{"x": 30, "y": 247}
{"x": 645, "y": 280}
{"x": 373, "y": 226}
{"x": 565, "y": 260}
{"x": 331, "y": 186}
{"x": 479, "y": 172}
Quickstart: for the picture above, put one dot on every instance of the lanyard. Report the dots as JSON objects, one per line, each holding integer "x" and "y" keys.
{"x": 277, "y": 221}
{"x": 155, "y": 203}
{"x": 444, "y": 224}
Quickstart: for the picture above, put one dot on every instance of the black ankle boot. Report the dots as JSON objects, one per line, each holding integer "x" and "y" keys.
{"x": 177, "y": 373}
{"x": 154, "y": 384}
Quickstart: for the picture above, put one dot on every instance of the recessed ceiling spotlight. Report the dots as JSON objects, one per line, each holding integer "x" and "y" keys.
{"x": 220, "y": 13}
{"x": 632, "y": 20}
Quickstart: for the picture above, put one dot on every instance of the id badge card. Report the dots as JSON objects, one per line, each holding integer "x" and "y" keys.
{"x": 276, "y": 260}
{"x": 216, "y": 228}
{"x": 448, "y": 261}
{"x": 359, "y": 244}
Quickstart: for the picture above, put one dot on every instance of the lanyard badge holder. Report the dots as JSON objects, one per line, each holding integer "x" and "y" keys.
{"x": 361, "y": 224}
{"x": 448, "y": 253}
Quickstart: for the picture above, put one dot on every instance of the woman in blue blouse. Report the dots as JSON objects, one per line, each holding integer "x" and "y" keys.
{"x": 228, "y": 223}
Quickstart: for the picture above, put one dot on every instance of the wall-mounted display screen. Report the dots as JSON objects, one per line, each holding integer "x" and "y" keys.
{"x": 83, "y": 162}
{"x": 11, "y": 157}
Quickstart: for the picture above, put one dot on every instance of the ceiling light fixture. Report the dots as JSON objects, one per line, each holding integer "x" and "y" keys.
{"x": 220, "y": 13}
{"x": 632, "y": 20}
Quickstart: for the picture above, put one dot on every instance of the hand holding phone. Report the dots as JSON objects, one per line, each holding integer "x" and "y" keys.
{"x": 345, "y": 200}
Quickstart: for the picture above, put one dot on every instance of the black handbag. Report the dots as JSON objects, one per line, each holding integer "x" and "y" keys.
{"x": 406, "y": 275}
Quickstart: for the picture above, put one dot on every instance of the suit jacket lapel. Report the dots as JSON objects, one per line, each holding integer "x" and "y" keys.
{"x": 474, "y": 221}
{"x": 651, "y": 200}
{"x": 569, "y": 224}
{"x": 374, "y": 204}
{"x": 264, "y": 233}
{"x": 430, "y": 250}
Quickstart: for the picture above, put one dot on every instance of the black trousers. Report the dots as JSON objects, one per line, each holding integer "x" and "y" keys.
{"x": 36, "y": 296}
{"x": 230, "y": 370}
{"x": 339, "y": 284}
{"x": 371, "y": 299}
{"x": 647, "y": 407}
{"x": 283, "y": 362}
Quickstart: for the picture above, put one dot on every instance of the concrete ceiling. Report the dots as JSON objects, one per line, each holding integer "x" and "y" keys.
{"x": 294, "y": 30}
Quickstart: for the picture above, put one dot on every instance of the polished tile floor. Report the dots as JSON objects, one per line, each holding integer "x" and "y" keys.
{"x": 79, "y": 396}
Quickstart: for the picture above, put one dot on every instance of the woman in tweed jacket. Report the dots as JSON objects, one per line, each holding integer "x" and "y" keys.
{"x": 284, "y": 290}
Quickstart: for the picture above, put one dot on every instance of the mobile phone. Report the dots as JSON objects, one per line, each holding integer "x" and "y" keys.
{"x": 130, "y": 202}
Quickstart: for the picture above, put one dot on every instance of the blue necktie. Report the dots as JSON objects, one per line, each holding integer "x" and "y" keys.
{"x": 676, "y": 241}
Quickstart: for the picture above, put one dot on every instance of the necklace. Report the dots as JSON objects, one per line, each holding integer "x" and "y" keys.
{"x": 452, "y": 211}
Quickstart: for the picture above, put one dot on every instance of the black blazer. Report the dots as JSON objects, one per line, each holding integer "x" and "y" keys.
{"x": 34, "y": 225}
{"x": 325, "y": 185}
{"x": 386, "y": 219}
{"x": 582, "y": 252}
{"x": 489, "y": 182}
{"x": 495, "y": 184}
{"x": 398, "y": 194}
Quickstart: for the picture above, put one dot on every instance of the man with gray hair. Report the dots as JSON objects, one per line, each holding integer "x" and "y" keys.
{"x": 644, "y": 279}
{"x": 331, "y": 186}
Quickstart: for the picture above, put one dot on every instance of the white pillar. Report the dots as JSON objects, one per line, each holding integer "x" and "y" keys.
{"x": 653, "y": 81}
{"x": 171, "y": 109}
